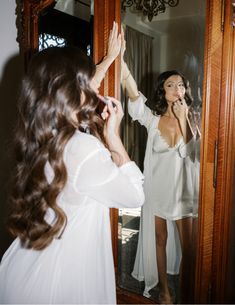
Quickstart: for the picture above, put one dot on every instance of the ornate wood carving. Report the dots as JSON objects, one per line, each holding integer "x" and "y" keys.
{"x": 29, "y": 12}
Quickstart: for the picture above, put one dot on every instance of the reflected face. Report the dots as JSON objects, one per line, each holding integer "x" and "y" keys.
{"x": 174, "y": 88}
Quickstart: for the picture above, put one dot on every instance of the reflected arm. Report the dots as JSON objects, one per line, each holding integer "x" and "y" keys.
{"x": 186, "y": 129}
{"x": 181, "y": 112}
{"x": 128, "y": 82}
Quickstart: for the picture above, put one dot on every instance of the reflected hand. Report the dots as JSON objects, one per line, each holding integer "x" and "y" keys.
{"x": 124, "y": 68}
{"x": 123, "y": 44}
{"x": 180, "y": 109}
{"x": 114, "y": 42}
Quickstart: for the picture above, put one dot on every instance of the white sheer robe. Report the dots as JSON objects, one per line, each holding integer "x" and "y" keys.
{"x": 78, "y": 268}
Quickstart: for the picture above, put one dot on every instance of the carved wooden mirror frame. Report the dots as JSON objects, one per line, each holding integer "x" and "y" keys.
{"x": 28, "y": 25}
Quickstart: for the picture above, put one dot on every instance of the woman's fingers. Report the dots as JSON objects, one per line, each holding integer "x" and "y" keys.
{"x": 104, "y": 113}
{"x": 112, "y": 111}
{"x": 181, "y": 102}
{"x": 180, "y": 108}
{"x": 112, "y": 31}
{"x": 112, "y": 115}
{"x": 114, "y": 44}
{"x": 116, "y": 105}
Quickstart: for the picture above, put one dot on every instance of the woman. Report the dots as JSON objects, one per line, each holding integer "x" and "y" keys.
{"x": 71, "y": 168}
{"x": 168, "y": 197}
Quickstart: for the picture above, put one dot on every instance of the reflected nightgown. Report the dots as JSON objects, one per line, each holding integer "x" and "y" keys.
{"x": 168, "y": 194}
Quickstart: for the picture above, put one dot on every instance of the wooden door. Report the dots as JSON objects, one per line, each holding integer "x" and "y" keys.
{"x": 215, "y": 253}
{"x": 209, "y": 148}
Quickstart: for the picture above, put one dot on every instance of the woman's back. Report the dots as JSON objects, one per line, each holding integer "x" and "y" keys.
{"x": 78, "y": 267}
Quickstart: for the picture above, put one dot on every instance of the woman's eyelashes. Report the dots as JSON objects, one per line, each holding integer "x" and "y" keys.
{"x": 181, "y": 86}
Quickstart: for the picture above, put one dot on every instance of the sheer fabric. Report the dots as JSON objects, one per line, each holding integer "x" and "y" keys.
{"x": 78, "y": 268}
{"x": 168, "y": 194}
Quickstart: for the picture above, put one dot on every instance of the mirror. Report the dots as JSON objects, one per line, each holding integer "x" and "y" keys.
{"x": 173, "y": 40}
{"x": 177, "y": 38}
{"x": 67, "y": 23}
{"x": 55, "y": 23}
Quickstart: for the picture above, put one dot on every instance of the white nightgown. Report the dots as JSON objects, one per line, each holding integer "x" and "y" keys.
{"x": 78, "y": 268}
{"x": 168, "y": 192}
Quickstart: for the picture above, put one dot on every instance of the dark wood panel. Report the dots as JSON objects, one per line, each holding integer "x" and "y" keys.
{"x": 211, "y": 100}
{"x": 224, "y": 202}
{"x": 105, "y": 13}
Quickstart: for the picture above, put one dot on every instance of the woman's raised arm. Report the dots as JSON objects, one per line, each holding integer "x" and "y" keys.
{"x": 127, "y": 80}
{"x": 114, "y": 46}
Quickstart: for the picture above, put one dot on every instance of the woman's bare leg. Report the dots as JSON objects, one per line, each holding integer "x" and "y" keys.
{"x": 184, "y": 227}
{"x": 161, "y": 239}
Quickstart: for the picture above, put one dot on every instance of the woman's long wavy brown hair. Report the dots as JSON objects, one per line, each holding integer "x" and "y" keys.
{"x": 50, "y": 96}
{"x": 160, "y": 102}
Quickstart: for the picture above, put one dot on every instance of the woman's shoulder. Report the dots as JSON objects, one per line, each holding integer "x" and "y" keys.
{"x": 155, "y": 118}
{"x": 84, "y": 143}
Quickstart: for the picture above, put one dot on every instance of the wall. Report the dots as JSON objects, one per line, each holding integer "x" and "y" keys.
{"x": 10, "y": 74}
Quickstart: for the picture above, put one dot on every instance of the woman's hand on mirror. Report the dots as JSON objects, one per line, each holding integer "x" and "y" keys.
{"x": 114, "y": 42}
{"x": 114, "y": 47}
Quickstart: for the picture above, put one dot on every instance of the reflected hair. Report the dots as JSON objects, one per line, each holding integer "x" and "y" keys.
{"x": 159, "y": 96}
{"x": 50, "y": 96}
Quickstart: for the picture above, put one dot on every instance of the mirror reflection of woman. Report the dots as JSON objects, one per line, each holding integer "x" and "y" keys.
{"x": 169, "y": 202}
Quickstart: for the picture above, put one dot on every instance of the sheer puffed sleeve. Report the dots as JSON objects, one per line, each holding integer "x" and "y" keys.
{"x": 139, "y": 111}
{"x": 98, "y": 177}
